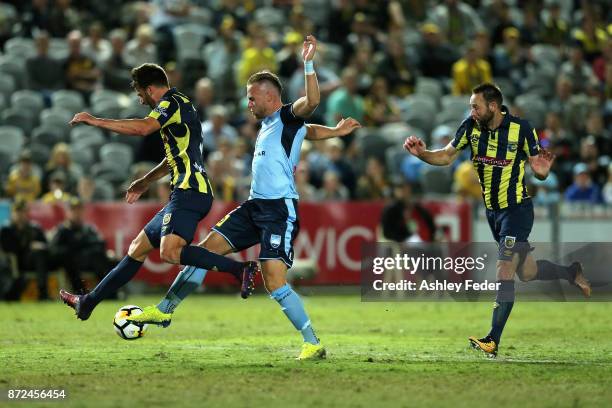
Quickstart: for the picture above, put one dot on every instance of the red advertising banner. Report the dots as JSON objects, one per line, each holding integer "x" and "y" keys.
{"x": 330, "y": 234}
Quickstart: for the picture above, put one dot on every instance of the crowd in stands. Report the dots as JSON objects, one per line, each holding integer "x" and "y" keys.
{"x": 400, "y": 67}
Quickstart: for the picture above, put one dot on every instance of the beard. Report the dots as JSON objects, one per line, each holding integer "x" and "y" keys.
{"x": 486, "y": 119}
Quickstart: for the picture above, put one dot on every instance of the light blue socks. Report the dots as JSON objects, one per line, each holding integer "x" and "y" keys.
{"x": 292, "y": 306}
{"x": 188, "y": 280}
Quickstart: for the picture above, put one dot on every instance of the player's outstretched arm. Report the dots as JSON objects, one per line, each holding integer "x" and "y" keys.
{"x": 343, "y": 128}
{"x": 306, "y": 105}
{"x": 439, "y": 157}
{"x": 541, "y": 163}
{"x": 138, "y": 127}
{"x": 139, "y": 186}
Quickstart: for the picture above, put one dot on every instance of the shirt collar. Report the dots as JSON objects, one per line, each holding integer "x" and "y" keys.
{"x": 271, "y": 118}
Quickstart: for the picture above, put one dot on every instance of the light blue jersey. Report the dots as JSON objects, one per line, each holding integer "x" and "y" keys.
{"x": 277, "y": 152}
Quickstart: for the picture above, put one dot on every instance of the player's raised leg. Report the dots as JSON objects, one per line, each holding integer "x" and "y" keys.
{"x": 274, "y": 272}
{"x": 113, "y": 281}
{"x": 546, "y": 270}
{"x": 188, "y": 280}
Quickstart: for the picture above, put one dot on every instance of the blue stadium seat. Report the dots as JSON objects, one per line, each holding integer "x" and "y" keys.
{"x": 20, "y": 118}
{"x": 49, "y": 135}
{"x": 118, "y": 154}
{"x": 30, "y": 100}
{"x": 68, "y": 100}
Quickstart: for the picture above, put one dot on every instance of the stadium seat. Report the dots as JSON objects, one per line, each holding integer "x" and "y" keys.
{"x": 109, "y": 172}
{"x": 40, "y": 153}
{"x": 534, "y": 109}
{"x": 135, "y": 111}
{"x": 418, "y": 111}
{"x": 20, "y": 47}
{"x": 6, "y": 159}
{"x": 189, "y": 39}
{"x": 270, "y": 17}
{"x": 118, "y": 154}
{"x": 546, "y": 52}
{"x": 49, "y": 135}
{"x": 104, "y": 191}
{"x": 56, "y": 117}
{"x": 541, "y": 80}
{"x": 430, "y": 87}
{"x": 372, "y": 143}
{"x": 83, "y": 156}
{"x": 455, "y": 103}
{"x": 393, "y": 158}
{"x": 70, "y": 101}
{"x": 507, "y": 87}
{"x": 58, "y": 48}
{"x": 87, "y": 136}
{"x": 7, "y": 85}
{"x": 12, "y": 138}
{"x": 15, "y": 67}
{"x": 108, "y": 97}
{"x": 30, "y": 100}
{"x": 436, "y": 180}
{"x": 22, "y": 119}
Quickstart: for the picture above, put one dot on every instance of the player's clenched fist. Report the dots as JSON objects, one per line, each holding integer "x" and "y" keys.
{"x": 414, "y": 145}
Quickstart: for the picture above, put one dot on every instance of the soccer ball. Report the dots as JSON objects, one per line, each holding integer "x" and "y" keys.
{"x": 125, "y": 329}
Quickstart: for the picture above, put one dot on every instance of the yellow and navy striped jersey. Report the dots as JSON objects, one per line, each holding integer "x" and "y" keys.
{"x": 499, "y": 158}
{"x": 181, "y": 132}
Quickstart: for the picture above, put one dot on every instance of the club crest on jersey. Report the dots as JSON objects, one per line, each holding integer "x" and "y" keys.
{"x": 512, "y": 147}
{"x": 161, "y": 110}
{"x": 509, "y": 241}
{"x": 275, "y": 240}
{"x": 166, "y": 218}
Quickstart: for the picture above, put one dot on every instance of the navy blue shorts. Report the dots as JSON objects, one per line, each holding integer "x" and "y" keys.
{"x": 511, "y": 228}
{"x": 272, "y": 223}
{"x": 180, "y": 216}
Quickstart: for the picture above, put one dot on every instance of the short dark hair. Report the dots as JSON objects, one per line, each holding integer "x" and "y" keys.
{"x": 490, "y": 92}
{"x": 266, "y": 76}
{"x": 149, "y": 74}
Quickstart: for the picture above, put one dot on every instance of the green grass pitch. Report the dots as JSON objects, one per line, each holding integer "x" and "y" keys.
{"x": 223, "y": 351}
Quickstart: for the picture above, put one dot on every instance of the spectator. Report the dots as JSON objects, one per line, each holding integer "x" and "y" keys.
{"x": 436, "y": 55}
{"x": 396, "y": 68}
{"x": 290, "y": 56}
{"x": 458, "y": 21}
{"x": 96, "y": 46}
{"x": 554, "y": 29}
{"x": 469, "y": 72}
{"x": 81, "y": 71}
{"x": 379, "y": 107}
{"x": 510, "y": 58}
{"x": 373, "y": 185}
{"x": 86, "y": 189}
{"x": 36, "y": 18}
{"x": 258, "y": 56}
{"x": 546, "y": 192}
{"x": 60, "y": 161}
{"x": 306, "y": 191}
{"x": 141, "y": 49}
{"x": 224, "y": 170}
{"x": 44, "y": 73}
{"x": 405, "y": 219}
{"x": 466, "y": 183}
{"x": 26, "y": 241}
{"x": 57, "y": 190}
{"x": 204, "y": 97}
{"x": 22, "y": 183}
{"x": 116, "y": 70}
{"x": 583, "y": 190}
{"x": 221, "y": 55}
{"x": 63, "y": 18}
{"x": 339, "y": 164}
{"x": 77, "y": 246}
{"x": 577, "y": 70}
{"x": 344, "y": 102}
{"x": 332, "y": 188}
{"x": 216, "y": 128}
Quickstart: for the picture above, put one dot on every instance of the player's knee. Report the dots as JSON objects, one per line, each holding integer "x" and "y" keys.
{"x": 505, "y": 270}
{"x": 135, "y": 251}
{"x": 170, "y": 254}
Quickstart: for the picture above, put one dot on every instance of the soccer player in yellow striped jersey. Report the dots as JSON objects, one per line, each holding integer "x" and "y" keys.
{"x": 500, "y": 146}
{"x": 171, "y": 229}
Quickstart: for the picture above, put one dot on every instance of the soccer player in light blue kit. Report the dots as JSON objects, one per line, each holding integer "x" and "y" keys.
{"x": 269, "y": 217}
